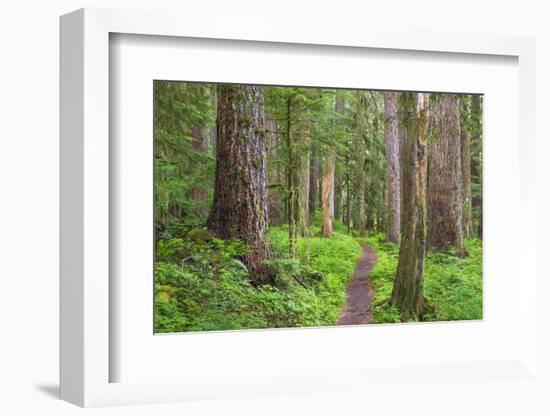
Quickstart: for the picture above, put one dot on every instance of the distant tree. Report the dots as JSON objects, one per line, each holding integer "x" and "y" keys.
{"x": 183, "y": 114}
{"x": 465, "y": 160}
{"x": 328, "y": 180}
{"x": 360, "y": 156}
{"x": 476, "y": 167}
{"x": 300, "y": 145}
{"x": 314, "y": 180}
{"x": 291, "y": 109}
{"x": 200, "y": 144}
{"x": 327, "y": 192}
{"x": 275, "y": 192}
{"x": 240, "y": 195}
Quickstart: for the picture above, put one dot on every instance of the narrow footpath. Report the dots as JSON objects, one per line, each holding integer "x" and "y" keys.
{"x": 359, "y": 294}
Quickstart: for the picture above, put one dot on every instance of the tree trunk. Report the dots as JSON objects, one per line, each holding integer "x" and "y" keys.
{"x": 393, "y": 175}
{"x": 465, "y": 161}
{"x": 328, "y": 195}
{"x": 337, "y": 194}
{"x": 337, "y": 188}
{"x": 401, "y": 132}
{"x": 291, "y": 199}
{"x": 476, "y": 161}
{"x": 348, "y": 185}
{"x": 213, "y": 130}
{"x": 360, "y": 152}
{"x": 240, "y": 195}
{"x": 349, "y": 203}
{"x": 200, "y": 144}
{"x": 407, "y": 294}
{"x": 327, "y": 192}
{"x": 313, "y": 182}
{"x": 302, "y": 155}
{"x": 275, "y": 193}
{"x": 361, "y": 225}
{"x": 445, "y": 176}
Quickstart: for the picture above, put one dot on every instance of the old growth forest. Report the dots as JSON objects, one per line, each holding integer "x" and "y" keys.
{"x": 296, "y": 207}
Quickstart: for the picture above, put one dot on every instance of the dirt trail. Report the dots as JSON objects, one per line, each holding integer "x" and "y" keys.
{"x": 359, "y": 294}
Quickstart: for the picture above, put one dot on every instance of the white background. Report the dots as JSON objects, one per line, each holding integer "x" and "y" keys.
{"x": 29, "y": 175}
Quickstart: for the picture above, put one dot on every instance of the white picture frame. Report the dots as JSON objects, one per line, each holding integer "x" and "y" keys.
{"x": 86, "y": 356}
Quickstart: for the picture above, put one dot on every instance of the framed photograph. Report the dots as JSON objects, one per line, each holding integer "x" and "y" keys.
{"x": 283, "y": 212}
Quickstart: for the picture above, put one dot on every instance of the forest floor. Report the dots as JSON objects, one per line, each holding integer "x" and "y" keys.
{"x": 360, "y": 293}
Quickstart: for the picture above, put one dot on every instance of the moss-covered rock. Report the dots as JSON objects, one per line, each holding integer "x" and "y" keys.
{"x": 199, "y": 235}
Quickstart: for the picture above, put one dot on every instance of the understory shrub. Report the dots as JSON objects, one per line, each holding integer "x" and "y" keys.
{"x": 202, "y": 285}
{"x": 453, "y": 286}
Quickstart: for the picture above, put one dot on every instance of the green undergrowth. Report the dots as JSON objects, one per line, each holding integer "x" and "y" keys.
{"x": 453, "y": 286}
{"x": 201, "y": 284}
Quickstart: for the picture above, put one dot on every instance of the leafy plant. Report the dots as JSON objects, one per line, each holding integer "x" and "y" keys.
{"x": 209, "y": 289}
{"x": 453, "y": 286}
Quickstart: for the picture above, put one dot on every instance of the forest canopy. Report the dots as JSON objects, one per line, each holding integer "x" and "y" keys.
{"x": 297, "y": 206}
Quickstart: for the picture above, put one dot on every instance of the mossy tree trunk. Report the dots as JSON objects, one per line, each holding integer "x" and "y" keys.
{"x": 359, "y": 154}
{"x": 298, "y": 147}
{"x": 476, "y": 161}
{"x": 239, "y": 209}
{"x": 407, "y": 294}
{"x": 291, "y": 191}
{"x": 329, "y": 198}
{"x": 466, "y": 168}
{"x": 339, "y": 174}
{"x": 361, "y": 209}
{"x": 313, "y": 181}
{"x": 275, "y": 191}
{"x": 302, "y": 153}
{"x": 338, "y": 180}
{"x": 393, "y": 175}
{"x": 445, "y": 209}
{"x": 401, "y": 132}
{"x": 200, "y": 144}
{"x": 327, "y": 192}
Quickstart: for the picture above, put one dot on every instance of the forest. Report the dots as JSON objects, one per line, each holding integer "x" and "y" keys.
{"x": 280, "y": 207}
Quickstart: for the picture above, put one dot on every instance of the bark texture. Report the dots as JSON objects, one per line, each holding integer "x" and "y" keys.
{"x": 327, "y": 192}
{"x": 465, "y": 163}
{"x": 313, "y": 181}
{"x": 476, "y": 165}
{"x": 401, "y": 132}
{"x": 200, "y": 144}
{"x": 338, "y": 200}
{"x": 275, "y": 192}
{"x": 445, "y": 226}
{"x": 359, "y": 153}
{"x": 298, "y": 147}
{"x": 407, "y": 294}
{"x": 301, "y": 181}
{"x": 393, "y": 173}
{"x": 239, "y": 209}
{"x": 361, "y": 224}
